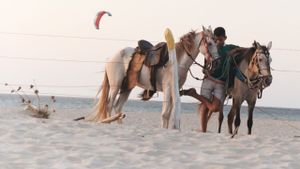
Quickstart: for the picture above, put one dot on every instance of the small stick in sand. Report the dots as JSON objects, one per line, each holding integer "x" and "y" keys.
{"x": 113, "y": 118}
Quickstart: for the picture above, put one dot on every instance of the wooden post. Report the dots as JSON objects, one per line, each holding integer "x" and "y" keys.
{"x": 176, "y": 109}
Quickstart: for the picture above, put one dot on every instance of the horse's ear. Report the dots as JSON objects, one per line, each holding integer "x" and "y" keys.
{"x": 204, "y": 29}
{"x": 269, "y": 45}
{"x": 254, "y": 44}
{"x": 209, "y": 28}
{"x": 258, "y": 45}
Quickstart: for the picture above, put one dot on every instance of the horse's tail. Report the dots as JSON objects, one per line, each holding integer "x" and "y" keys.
{"x": 100, "y": 110}
{"x": 103, "y": 100}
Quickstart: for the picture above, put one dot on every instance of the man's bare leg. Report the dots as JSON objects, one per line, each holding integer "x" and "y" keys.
{"x": 213, "y": 105}
{"x": 203, "y": 116}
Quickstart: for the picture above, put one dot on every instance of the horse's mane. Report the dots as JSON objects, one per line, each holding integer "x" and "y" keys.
{"x": 240, "y": 54}
{"x": 248, "y": 54}
{"x": 188, "y": 41}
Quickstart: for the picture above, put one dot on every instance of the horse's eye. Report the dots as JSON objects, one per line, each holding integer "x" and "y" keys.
{"x": 209, "y": 44}
{"x": 260, "y": 60}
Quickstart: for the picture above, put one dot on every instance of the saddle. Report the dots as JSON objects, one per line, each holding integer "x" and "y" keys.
{"x": 155, "y": 57}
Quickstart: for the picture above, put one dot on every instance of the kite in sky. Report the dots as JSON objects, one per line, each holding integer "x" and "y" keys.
{"x": 99, "y": 16}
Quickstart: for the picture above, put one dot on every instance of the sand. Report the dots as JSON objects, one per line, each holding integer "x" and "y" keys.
{"x": 59, "y": 142}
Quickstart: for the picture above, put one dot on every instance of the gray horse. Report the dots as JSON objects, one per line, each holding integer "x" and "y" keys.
{"x": 252, "y": 75}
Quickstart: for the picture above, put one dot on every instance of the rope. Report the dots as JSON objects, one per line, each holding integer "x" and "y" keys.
{"x": 194, "y": 76}
{"x": 284, "y": 121}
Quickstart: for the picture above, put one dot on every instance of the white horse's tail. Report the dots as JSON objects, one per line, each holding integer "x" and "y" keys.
{"x": 100, "y": 110}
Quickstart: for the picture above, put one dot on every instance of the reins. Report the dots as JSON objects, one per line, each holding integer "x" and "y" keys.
{"x": 190, "y": 55}
{"x": 256, "y": 83}
{"x": 192, "y": 58}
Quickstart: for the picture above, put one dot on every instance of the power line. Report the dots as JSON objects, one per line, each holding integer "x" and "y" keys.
{"x": 54, "y": 86}
{"x": 283, "y": 49}
{"x": 70, "y": 37}
{"x": 287, "y": 71}
{"x": 103, "y": 62}
{"x": 52, "y": 59}
{"x": 66, "y": 36}
{"x": 103, "y": 39}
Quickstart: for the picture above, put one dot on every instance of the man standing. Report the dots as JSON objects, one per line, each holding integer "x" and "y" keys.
{"x": 213, "y": 86}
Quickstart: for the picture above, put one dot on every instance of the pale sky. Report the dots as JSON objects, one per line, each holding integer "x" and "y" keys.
{"x": 26, "y": 26}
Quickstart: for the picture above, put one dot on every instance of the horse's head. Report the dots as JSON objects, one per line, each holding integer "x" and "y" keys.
{"x": 207, "y": 45}
{"x": 203, "y": 42}
{"x": 261, "y": 60}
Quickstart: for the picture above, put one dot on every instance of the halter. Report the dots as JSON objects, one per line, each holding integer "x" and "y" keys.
{"x": 189, "y": 53}
{"x": 203, "y": 39}
{"x": 258, "y": 81}
{"x": 267, "y": 54}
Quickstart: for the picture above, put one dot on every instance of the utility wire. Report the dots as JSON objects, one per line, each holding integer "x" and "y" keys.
{"x": 96, "y": 61}
{"x": 101, "y": 39}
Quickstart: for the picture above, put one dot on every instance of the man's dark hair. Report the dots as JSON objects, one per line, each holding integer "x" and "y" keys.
{"x": 219, "y": 31}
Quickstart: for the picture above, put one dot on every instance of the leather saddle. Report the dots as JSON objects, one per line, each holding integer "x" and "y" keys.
{"x": 155, "y": 55}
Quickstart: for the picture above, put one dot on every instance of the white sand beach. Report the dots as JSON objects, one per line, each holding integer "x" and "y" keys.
{"x": 59, "y": 142}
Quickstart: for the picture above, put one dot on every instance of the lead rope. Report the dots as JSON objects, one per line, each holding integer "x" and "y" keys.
{"x": 194, "y": 76}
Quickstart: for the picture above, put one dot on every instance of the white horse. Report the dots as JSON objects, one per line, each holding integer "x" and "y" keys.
{"x": 187, "y": 50}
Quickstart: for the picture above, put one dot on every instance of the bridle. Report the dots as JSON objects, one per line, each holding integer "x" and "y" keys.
{"x": 259, "y": 81}
{"x": 203, "y": 39}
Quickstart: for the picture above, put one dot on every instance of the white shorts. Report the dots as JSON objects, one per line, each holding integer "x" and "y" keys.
{"x": 211, "y": 88}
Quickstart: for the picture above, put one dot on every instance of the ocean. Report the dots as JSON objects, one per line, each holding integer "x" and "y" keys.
{"x": 13, "y": 101}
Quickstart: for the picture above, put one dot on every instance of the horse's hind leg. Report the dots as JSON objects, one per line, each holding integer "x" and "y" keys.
{"x": 230, "y": 119}
{"x": 123, "y": 97}
{"x": 251, "y": 105}
{"x": 237, "y": 121}
{"x": 113, "y": 92}
{"x": 231, "y": 115}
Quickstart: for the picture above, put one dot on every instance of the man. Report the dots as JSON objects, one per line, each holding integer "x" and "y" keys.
{"x": 213, "y": 86}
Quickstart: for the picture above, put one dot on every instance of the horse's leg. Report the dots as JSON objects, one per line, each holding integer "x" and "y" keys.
{"x": 166, "y": 108}
{"x": 231, "y": 115}
{"x": 221, "y": 117}
{"x": 113, "y": 92}
{"x": 251, "y": 105}
{"x": 116, "y": 73}
{"x": 237, "y": 121}
{"x": 123, "y": 97}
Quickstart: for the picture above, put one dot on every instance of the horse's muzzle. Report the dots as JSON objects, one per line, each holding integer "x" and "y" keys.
{"x": 267, "y": 80}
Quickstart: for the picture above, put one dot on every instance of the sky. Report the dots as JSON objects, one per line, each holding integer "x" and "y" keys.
{"x": 64, "y": 30}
